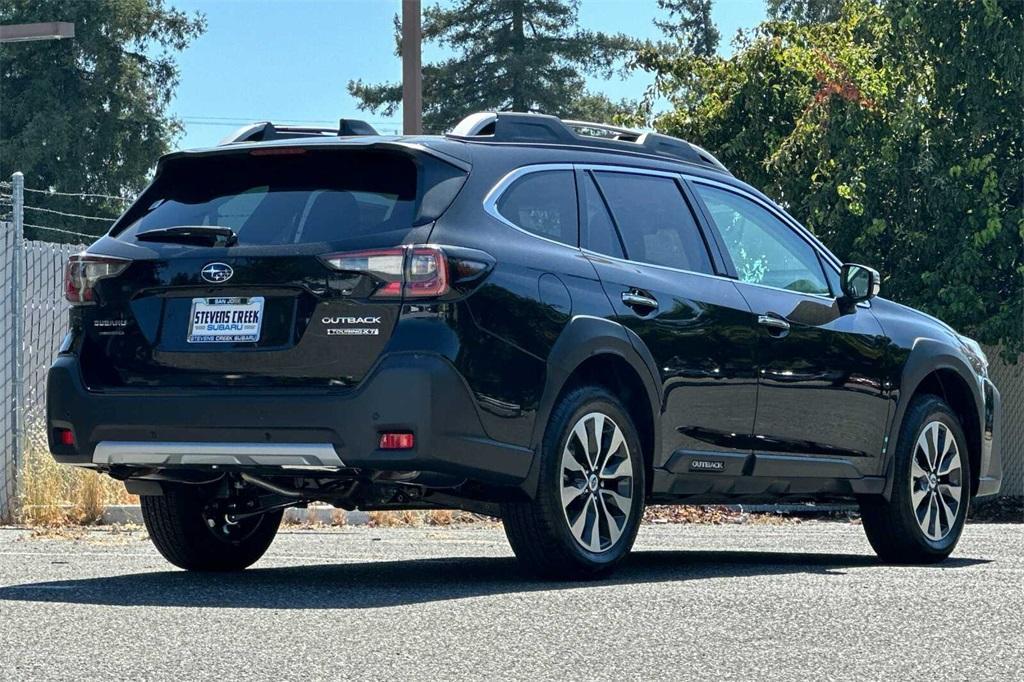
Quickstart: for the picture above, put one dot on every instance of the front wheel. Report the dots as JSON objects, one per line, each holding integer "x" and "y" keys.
{"x": 590, "y": 495}
{"x": 922, "y": 520}
{"x": 189, "y": 528}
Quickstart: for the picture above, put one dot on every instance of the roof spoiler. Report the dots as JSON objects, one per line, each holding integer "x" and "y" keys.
{"x": 265, "y": 130}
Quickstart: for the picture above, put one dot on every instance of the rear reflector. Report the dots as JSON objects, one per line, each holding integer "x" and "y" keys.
{"x": 397, "y": 441}
{"x": 66, "y": 437}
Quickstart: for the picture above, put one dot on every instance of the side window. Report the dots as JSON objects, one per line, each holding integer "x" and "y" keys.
{"x": 597, "y": 231}
{"x": 655, "y": 221}
{"x": 543, "y": 203}
{"x": 763, "y": 248}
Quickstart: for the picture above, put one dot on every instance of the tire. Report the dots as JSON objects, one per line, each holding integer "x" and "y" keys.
{"x": 178, "y": 524}
{"x": 540, "y": 531}
{"x": 916, "y": 526}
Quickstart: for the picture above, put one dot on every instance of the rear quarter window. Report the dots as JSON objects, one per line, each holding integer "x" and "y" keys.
{"x": 543, "y": 203}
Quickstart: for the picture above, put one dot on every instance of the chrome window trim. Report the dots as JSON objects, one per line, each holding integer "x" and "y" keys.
{"x": 493, "y": 196}
{"x": 491, "y": 200}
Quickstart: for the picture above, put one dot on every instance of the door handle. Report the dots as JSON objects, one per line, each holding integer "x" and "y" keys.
{"x": 635, "y": 299}
{"x": 774, "y": 323}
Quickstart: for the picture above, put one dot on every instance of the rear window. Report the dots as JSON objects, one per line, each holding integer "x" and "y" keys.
{"x": 301, "y": 198}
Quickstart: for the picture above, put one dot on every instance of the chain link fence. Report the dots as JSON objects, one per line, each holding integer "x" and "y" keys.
{"x": 33, "y": 321}
{"x": 1009, "y": 379}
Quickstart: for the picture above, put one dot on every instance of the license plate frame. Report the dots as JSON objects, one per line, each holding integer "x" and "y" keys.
{"x": 238, "y": 325}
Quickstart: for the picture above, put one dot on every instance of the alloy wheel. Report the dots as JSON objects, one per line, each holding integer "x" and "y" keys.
{"x": 597, "y": 482}
{"x": 936, "y": 480}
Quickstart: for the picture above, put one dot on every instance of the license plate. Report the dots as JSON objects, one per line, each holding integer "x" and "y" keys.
{"x": 225, "y": 320}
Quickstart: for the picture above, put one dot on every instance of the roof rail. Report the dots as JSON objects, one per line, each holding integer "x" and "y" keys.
{"x": 265, "y": 130}
{"x": 495, "y": 126}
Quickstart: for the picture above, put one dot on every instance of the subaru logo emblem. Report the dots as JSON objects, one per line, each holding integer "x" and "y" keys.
{"x": 215, "y": 273}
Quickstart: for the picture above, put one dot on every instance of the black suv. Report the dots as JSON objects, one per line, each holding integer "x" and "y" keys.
{"x": 548, "y": 321}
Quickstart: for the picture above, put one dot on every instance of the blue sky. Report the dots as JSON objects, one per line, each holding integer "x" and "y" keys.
{"x": 289, "y": 60}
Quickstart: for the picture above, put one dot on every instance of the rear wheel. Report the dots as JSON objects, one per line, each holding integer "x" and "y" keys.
{"x": 590, "y": 491}
{"x": 923, "y": 519}
{"x": 190, "y": 529}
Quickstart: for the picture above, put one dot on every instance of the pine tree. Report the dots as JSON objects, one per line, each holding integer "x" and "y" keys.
{"x": 518, "y": 55}
{"x": 805, "y": 11}
{"x": 690, "y": 25}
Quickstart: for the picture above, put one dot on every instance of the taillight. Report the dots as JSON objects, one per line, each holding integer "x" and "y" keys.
{"x": 415, "y": 271}
{"x": 385, "y": 265}
{"x": 83, "y": 271}
{"x": 427, "y": 273}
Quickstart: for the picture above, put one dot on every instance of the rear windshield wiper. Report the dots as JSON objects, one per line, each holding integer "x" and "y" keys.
{"x": 200, "y": 235}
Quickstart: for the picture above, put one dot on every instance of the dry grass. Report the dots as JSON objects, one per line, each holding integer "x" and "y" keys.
{"x": 433, "y": 517}
{"x": 710, "y": 514}
{"x": 52, "y": 494}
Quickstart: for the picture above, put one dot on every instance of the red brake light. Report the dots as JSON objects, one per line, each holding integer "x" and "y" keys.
{"x": 278, "y": 151}
{"x": 397, "y": 441}
{"x": 83, "y": 271}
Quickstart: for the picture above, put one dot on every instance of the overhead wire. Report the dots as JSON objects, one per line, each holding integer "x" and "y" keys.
{"x": 62, "y": 230}
{"x": 6, "y": 200}
{"x": 70, "y": 215}
{"x": 77, "y": 194}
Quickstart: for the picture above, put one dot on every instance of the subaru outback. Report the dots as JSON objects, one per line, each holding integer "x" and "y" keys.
{"x": 551, "y": 322}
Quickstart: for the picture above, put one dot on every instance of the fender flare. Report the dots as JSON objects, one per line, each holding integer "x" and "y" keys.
{"x": 927, "y": 356}
{"x": 582, "y": 338}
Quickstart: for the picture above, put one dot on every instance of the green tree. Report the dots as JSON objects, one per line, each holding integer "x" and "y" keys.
{"x": 89, "y": 114}
{"x": 894, "y": 133}
{"x": 804, "y": 11}
{"x": 690, "y": 25}
{"x": 519, "y": 55}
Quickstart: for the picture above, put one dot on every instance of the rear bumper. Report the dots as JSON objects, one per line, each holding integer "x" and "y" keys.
{"x": 415, "y": 392}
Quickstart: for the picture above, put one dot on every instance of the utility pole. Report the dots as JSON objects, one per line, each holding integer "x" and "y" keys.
{"x": 412, "y": 69}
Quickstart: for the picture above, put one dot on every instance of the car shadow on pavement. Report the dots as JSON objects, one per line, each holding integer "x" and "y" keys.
{"x": 395, "y": 583}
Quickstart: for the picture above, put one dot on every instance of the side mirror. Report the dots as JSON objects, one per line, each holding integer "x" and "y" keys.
{"x": 859, "y": 282}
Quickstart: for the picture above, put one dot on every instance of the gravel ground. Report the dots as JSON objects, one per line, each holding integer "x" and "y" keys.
{"x": 799, "y": 601}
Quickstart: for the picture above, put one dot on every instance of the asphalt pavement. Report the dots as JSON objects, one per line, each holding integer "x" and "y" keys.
{"x": 746, "y": 602}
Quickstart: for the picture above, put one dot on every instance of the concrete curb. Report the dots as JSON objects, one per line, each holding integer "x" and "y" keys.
{"x": 330, "y": 516}
{"x": 121, "y": 514}
{"x": 132, "y": 514}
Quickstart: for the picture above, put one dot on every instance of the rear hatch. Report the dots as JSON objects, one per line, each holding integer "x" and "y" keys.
{"x": 266, "y": 266}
